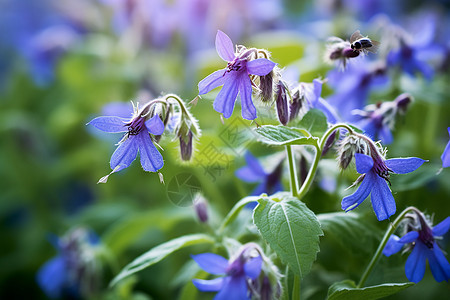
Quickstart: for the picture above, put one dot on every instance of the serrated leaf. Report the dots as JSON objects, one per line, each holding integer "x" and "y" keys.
{"x": 350, "y": 230}
{"x": 160, "y": 252}
{"x": 347, "y": 290}
{"x": 281, "y": 135}
{"x": 315, "y": 122}
{"x": 291, "y": 229}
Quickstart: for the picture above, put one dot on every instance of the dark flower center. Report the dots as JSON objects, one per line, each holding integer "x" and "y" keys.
{"x": 235, "y": 65}
{"x": 136, "y": 125}
{"x": 379, "y": 166}
{"x": 236, "y": 268}
{"x": 425, "y": 234}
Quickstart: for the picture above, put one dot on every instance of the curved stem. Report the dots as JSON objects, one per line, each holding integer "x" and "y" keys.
{"x": 292, "y": 172}
{"x": 311, "y": 174}
{"x": 179, "y": 102}
{"x": 385, "y": 239}
{"x": 327, "y": 134}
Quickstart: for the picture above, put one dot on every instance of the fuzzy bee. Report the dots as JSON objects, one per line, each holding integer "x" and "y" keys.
{"x": 363, "y": 44}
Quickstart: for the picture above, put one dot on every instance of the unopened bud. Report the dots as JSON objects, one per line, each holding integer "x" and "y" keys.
{"x": 329, "y": 143}
{"x": 282, "y": 103}
{"x": 296, "y": 104}
{"x": 201, "y": 208}
{"x": 266, "y": 86}
{"x": 350, "y": 145}
{"x": 186, "y": 146}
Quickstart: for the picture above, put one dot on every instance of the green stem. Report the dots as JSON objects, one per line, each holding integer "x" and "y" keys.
{"x": 385, "y": 239}
{"x": 296, "y": 288}
{"x": 292, "y": 171}
{"x": 312, "y": 172}
{"x": 330, "y": 131}
{"x": 234, "y": 212}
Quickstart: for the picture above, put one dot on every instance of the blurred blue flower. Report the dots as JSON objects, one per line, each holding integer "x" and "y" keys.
{"x": 73, "y": 272}
{"x": 312, "y": 94}
{"x": 136, "y": 139}
{"x": 234, "y": 284}
{"x": 424, "y": 246}
{"x": 269, "y": 183}
{"x": 375, "y": 172}
{"x": 234, "y": 78}
{"x": 446, "y": 154}
{"x": 352, "y": 87}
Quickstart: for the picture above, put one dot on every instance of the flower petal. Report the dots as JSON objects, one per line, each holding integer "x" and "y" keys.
{"x": 438, "y": 264}
{"x": 52, "y": 276}
{"x": 252, "y": 172}
{"x": 415, "y": 264}
{"x": 252, "y": 268}
{"x": 245, "y": 90}
{"x": 386, "y": 135}
{"x": 233, "y": 288}
{"x": 124, "y": 155}
{"x": 445, "y": 157}
{"x": 260, "y": 66}
{"x": 212, "y": 285}
{"x": 352, "y": 201}
{"x": 409, "y": 237}
{"x": 254, "y": 164}
{"x": 155, "y": 125}
{"x": 118, "y": 109}
{"x": 404, "y": 165}
{"x": 392, "y": 245}
{"x": 211, "y": 263}
{"x": 224, "y": 46}
{"x": 364, "y": 163}
{"x": 226, "y": 98}
{"x": 109, "y": 124}
{"x": 211, "y": 81}
{"x": 441, "y": 228}
{"x": 383, "y": 202}
{"x": 151, "y": 159}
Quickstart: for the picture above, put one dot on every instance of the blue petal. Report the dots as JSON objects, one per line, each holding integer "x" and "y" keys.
{"x": 118, "y": 109}
{"x": 247, "y": 174}
{"x": 261, "y": 188}
{"x": 317, "y": 88}
{"x": 234, "y": 288}
{"x": 328, "y": 110}
{"x": 212, "y": 81}
{"x": 254, "y": 164}
{"x": 224, "y": 46}
{"x": 212, "y": 285}
{"x": 109, "y": 124}
{"x": 124, "y": 155}
{"x": 386, "y": 135}
{"x": 226, "y": 98}
{"x": 211, "y": 263}
{"x": 404, "y": 165}
{"x": 438, "y": 264}
{"x": 52, "y": 277}
{"x": 364, "y": 163}
{"x": 409, "y": 237}
{"x": 260, "y": 66}
{"x": 383, "y": 202}
{"x": 446, "y": 154}
{"x": 252, "y": 268}
{"x": 415, "y": 264}
{"x": 155, "y": 125}
{"x": 245, "y": 90}
{"x": 392, "y": 245}
{"x": 352, "y": 201}
{"x": 151, "y": 159}
{"x": 441, "y": 228}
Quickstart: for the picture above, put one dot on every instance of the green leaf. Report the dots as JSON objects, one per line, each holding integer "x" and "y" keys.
{"x": 160, "y": 252}
{"x": 314, "y": 121}
{"x": 291, "y": 229}
{"x": 281, "y": 135}
{"x": 347, "y": 290}
{"x": 350, "y": 230}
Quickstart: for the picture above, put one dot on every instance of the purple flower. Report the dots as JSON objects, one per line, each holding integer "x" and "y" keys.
{"x": 375, "y": 172}
{"x": 235, "y": 78}
{"x": 137, "y": 139}
{"x": 313, "y": 100}
{"x": 424, "y": 246}
{"x": 269, "y": 183}
{"x": 234, "y": 284}
{"x": 446, "y": 154}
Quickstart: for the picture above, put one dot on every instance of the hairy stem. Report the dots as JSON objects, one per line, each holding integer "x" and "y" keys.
{"x": 292, "y": 171}
{"x": 330, "y": 131}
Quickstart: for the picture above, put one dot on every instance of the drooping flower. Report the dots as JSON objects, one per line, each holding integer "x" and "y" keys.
{"x": 75, "y": 272}
{"x": 446, "y": 154}
{"x": 422, "y": 241}
{"x": 377, "y": 120}
{"x": 235, "y": 77}
{"x": 137, "y": 139}
{"x": 313, "y": 99}
{"x": 269, "y": 183}
{"x": 237, "y": 272}
{"x": 375, "y": 172}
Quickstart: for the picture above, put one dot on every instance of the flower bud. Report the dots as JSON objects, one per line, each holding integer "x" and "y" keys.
{"x": 201, "y": 208}
{"x": 296, "y": 104}
{"x": 329, "y": 143}
{"x": 282, "y": 103}
{"x": 402, "y": 101}
{"x": 266, "y": 87}
{"x": 186, "y": 146}
{"x": 350, "y": 145}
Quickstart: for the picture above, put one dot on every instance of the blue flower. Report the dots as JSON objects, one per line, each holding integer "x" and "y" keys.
{"x": 446, "y": 154}
{"x": 137, "y": 139}
{"x": 313, "y": 100}
{"x": 235, "y": 78}
{"x": 375, "y": 172}
{"x": 234, "y": 284}
{"x": 424, "y": 246}
{"x": 72, "y": 273}
{"x": 253, "y": 172}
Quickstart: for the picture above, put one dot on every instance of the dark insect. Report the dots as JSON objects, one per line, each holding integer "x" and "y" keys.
{"x": 363, "y": 44}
